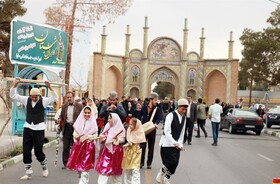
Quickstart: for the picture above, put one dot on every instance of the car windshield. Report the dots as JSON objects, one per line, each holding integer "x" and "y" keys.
{"x": 245, "y": 113}
{"x": 275, "y": 110}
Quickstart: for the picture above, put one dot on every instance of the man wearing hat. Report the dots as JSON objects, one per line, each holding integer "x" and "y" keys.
{"x": 34, "y": 126}
{"x": 171, "y": 142}
{"x": 144, "y": 115}
{"x": 112, "y": 107}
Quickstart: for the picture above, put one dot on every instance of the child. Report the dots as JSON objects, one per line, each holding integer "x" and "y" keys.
{"x": 111, "y": 155}
{"x": 83, "y": 151}
{"x": 132, "y": 152}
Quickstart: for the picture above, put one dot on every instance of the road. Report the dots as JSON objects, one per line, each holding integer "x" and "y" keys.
{"x": 238, "y": 159}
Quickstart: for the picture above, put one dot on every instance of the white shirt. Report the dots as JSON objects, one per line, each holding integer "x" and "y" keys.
{"x": 215, "y": 111}
{"x": 70, "y": 113}
{"x": 167, "y": 140}
{"x": 23, "y": 99}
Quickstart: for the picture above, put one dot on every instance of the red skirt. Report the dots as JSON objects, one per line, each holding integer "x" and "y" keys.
{"x": 110, "y": 163}
{"x": 82, "y": 156}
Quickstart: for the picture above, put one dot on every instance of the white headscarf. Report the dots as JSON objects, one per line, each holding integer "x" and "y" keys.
{"x": 137, "y": 135}
{"x": 83, "y": 126}
{"x": 113, "y": 130}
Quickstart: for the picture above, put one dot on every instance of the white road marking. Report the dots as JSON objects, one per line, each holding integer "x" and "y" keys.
{"x": 268, "y": 159}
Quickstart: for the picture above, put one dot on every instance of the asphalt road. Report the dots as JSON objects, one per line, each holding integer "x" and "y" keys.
{"x": 238, "y": 159}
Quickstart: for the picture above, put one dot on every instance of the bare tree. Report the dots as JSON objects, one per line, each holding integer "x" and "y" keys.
{"x": 68, "y": 14}
{"x": 4, "y": 88}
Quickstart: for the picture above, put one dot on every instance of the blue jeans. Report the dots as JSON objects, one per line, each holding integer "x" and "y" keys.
{"x": 215, "y": 131}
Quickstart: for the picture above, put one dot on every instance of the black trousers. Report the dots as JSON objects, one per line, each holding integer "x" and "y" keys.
{"x": 170, "y": 158}
{"x": 201, "y": 124}
{"x": 151, "y": 138}
{"x": 188, "y": 130}
{"x": 33, "y": 138}
{"x": 67, "y": 142}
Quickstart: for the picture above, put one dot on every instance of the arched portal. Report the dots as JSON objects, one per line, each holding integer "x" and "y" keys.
{"x": 192, "y": 93}
{"x": 134, "y": 92}
{"x": 165, "y": 76}
{"x": 112, "y": 81}
{"x": 215, "y": 87}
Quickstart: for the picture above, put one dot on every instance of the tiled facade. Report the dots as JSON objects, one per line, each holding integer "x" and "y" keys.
{"x": 163, "y": 59}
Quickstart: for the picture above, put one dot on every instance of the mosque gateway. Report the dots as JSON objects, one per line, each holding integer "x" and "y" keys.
{"x": 164, "y": 60}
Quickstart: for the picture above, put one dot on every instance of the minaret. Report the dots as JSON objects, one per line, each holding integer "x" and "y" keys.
{"x": 145, "y": 41}
{"x": 230, "y": 47}
{"x": 200, "y": 72}
{"x": 127, "y": 41}
{"x": 126, "y": 63}
{"x": 103, "y": 52}
{"x": 103, "y": 41}
{"x": 229, "y": 71}
{"x": 144, "y": 76}
{"x": 183, "y": 63}
{"x": 202, "y": 40}
{"x": 185, "y": 41}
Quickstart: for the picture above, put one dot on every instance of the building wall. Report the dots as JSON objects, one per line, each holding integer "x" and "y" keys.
{"x": 212, "y": 77}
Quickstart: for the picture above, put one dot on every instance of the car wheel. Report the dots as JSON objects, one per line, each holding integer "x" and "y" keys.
{"x": 268, "y": 125}
{"x": 258, "y": 132}
{"x": 230, "y": 129}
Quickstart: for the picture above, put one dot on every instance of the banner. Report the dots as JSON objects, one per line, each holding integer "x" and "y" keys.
{"x": 41, "y": 45}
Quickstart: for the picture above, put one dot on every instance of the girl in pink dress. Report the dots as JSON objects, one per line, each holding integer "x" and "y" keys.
{"x": 82, "y": 155}
{"x": 110, "y": 159}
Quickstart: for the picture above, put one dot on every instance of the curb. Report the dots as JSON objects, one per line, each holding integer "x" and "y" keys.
{"x": 19, "y": 158}
{"x": 273, "y": 133}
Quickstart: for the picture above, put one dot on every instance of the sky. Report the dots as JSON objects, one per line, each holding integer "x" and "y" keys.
{"x": 166, "y": 18}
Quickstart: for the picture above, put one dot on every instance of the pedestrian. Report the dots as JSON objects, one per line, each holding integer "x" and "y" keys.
{"x": 132, "y": 152}
{"x": 191, "y": 120}
{"x": 69, "y": 113}
{"x": 129, "y": 112}
{"x": 260, "y": 111}
{"x": 137, "y": 111}
{"x": 34, "y": 126}
{"x": 215, "y": 112}
{"x": 110, "y": 158}
{"x": 92, "y": 104}
{"x": 171, "y": 142}
{"x": 82, "y": 154}
{"x": 144, "y": 116}
{"x": 113, "y": 106}
{"x": 201, "y": 117}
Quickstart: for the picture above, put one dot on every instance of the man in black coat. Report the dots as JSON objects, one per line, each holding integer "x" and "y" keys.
{"x": 191, "y": 119}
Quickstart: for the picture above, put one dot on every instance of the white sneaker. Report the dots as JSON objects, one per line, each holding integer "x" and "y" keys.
{"x": 45, "y": 173}
{"x": 160, "y": 176}
{"x": 165, "y": 181}
{"x": 26, "y": 177}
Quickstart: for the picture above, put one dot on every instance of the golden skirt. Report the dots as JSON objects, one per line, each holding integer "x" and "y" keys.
{"x": 132, "y": 157}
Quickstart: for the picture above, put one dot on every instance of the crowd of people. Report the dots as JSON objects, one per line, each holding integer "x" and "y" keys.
{"x": 120, "y": 141}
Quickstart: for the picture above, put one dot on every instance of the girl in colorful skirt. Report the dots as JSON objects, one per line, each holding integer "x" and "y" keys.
{"x": 132, "y": 152}
{"x": 82, "y": 155}
{"x": 110, "y": 159}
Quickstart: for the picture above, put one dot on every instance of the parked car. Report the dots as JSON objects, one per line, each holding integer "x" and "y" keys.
{"x": 273, "y": 117}
{"x": 256, "y": 106}
{"x": 239, "y": 119}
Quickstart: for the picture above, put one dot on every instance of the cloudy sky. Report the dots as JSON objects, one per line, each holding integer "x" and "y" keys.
{"x": 166, "y": 18}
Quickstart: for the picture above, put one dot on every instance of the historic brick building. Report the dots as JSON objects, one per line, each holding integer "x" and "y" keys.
{"x": 164, "y": 59}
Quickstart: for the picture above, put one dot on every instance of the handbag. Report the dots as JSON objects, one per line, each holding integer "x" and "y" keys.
{"x": 149, "y": 126}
